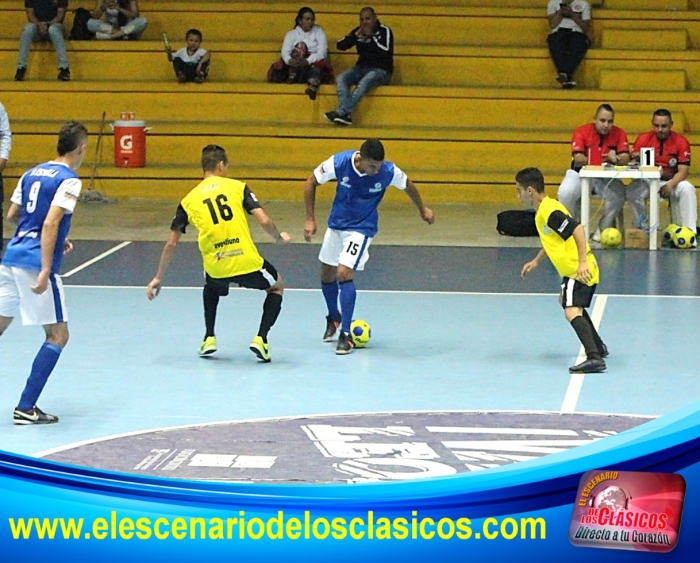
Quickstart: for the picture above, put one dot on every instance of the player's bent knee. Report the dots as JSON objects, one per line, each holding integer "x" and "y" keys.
{"x": 572, "y": 312}
{"x": 345, "y": 274}
{"x": 57, "y": 334}
{"x": 328, "y": 273}
{"x": 278, "y": 287}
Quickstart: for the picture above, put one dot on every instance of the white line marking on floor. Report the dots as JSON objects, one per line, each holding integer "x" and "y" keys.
{"x": 389, "y": 291}
{"x": 96, "y": 259}
{"x": 576, "y": 380}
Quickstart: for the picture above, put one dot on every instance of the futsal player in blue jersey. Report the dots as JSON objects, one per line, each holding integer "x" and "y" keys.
{"x": 362, "y": 179}
{"x": 41, "y": 205}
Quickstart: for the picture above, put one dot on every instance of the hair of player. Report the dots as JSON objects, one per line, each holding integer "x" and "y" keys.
{"x": 368, "y": 9}
{"x": 531, "y": 177}
{"x": 604, "y": 107}
{"x": 372, "y": 149}
{"x": 300, "y": 14}
{"x": 193, "y": 31}
{"x": 211, "y": 156}
{"x": 70, "y": 137}
{"x": 663, "y": 113}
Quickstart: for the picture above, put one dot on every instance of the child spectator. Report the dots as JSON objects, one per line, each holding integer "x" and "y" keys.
{"x": 191, "y": 63}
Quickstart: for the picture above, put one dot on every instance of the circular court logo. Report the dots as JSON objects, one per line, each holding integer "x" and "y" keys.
{"x": 353, "y": 448}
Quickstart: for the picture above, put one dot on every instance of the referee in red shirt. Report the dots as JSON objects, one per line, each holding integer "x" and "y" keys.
{"x": 672, "y": 153}
{"x": 600, "y": 142}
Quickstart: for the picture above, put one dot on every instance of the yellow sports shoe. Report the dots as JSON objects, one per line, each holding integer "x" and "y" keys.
{"x": 208, "y": 346}
{"x": 261, "y": 349}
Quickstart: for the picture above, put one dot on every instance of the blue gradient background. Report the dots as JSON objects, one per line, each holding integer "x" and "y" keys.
{"x": 541, "y": 488}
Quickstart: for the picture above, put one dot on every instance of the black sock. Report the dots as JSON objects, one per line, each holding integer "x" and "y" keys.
{"x": 584, "y": 331}
{"x": 271, "y": 310}
{"x": 596, "y": 337}
{"x": 211, "y": 302}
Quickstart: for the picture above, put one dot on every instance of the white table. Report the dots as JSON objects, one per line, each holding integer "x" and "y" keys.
{"x": 652, "y": 173}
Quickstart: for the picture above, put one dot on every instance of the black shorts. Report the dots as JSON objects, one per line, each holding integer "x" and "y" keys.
{"x": 576, "y": 294}
{"x": 263, "y": 279}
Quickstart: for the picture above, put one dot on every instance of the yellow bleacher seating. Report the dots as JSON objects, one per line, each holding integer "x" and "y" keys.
{"x": 652, "y": 80}
{"x": 473, "y": 98}
{"x": 655, "y": 39}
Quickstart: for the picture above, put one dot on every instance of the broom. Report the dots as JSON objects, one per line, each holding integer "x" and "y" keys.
{"x": 91, "y": 195}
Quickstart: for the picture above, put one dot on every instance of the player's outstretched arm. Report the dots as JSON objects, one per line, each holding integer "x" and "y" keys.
{"x": 153, "y": 288}
{"x": 425, "y": 212}
{"x": 268, "y": 225}
{"x": 310, "y": 204}
{"x": 532, "y": 264}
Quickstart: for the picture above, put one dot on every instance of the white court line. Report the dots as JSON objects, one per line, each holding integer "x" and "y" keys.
{"x": 390, "y": 291}
{"x": 96, "y": 259}
{"x": 576, "y": 380}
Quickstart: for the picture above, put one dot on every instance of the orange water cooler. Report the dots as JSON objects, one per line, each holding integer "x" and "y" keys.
{"x": 129, "y": 142}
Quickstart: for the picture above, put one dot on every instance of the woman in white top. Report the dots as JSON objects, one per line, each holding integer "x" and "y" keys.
{"x": 117, "y": 19}
{"x": 304, "y": 55}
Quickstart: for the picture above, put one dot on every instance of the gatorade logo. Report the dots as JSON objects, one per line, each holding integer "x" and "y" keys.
{"x": 127, "y": 142}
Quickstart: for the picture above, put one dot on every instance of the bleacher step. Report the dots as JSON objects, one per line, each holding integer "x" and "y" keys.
{"x": 657, "y": 39}
{"x": 652, "y": 80}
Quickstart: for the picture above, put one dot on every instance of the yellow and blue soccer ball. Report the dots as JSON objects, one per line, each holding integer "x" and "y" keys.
{"x": 668, "y": 232}
{"x": 360, "y": 333}
{"x": 683, "y": 237}
{"x": 610, "y": 237}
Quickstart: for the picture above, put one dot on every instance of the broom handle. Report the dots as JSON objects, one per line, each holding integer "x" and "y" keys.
{"x": 97, "y": 151}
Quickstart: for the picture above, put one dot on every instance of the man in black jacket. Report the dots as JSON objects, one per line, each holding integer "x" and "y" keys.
{"x": 375, "y": 47}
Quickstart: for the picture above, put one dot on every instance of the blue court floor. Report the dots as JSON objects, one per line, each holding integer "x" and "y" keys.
{"x": 453, "y": 328}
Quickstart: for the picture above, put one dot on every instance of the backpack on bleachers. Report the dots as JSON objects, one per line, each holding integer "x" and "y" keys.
{"x": 79, "y": 31}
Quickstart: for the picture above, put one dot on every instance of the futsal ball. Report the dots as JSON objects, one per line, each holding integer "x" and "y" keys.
{"x": 301, "y": 50}
{"x": 668, "y": 232}
{"x": 610, "y": 237}
{"x": 360, "y": 332}
{"x": 683, "y": 237}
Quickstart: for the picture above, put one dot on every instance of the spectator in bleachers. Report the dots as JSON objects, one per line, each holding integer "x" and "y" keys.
{"x": 672, "y": 153}
{"x": 597, "y": 143}
{"x": 304, "y": 55}
{"x": 568, "y": 42}
{"x": 122, "y": 20}
{"x": 375, "y": 46}
{"x": 45, "y": 24}
{"x": 5, "y": 146}
{"x": 191, "y": 63}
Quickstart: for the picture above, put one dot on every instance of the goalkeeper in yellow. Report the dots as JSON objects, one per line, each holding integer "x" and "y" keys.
{"x": 564, "y": 242}
{"x": 217, "y": 208}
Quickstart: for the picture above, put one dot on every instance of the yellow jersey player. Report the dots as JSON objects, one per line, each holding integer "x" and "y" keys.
{"x": 217, "y": 208}
{"x": 564, "y": 242}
